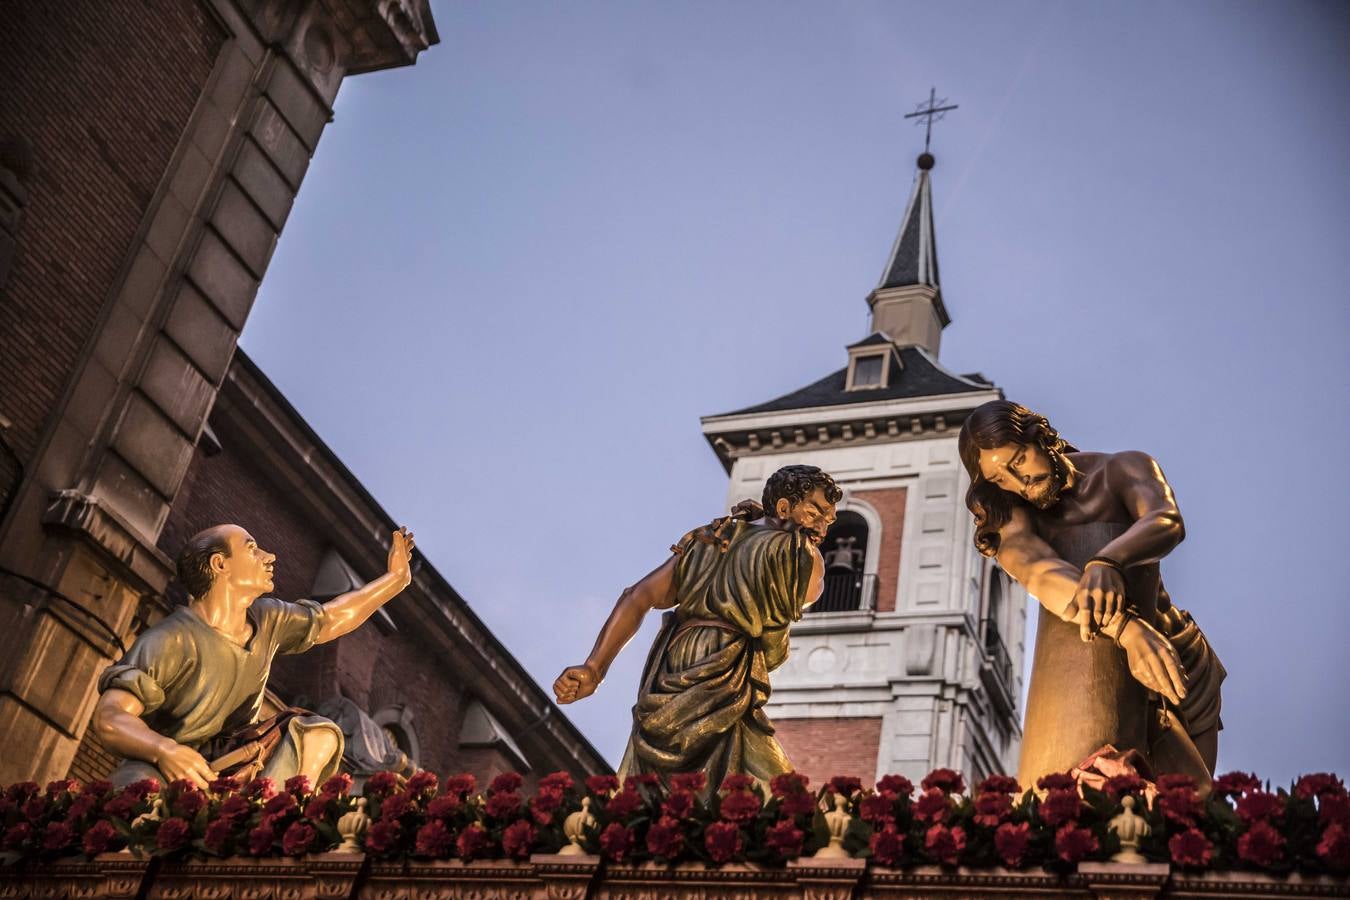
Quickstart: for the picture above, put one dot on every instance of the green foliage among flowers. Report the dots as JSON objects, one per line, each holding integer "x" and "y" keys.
{"x": 1241, "y": 824}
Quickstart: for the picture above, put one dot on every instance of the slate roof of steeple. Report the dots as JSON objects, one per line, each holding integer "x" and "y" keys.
{"x": 913, "y": 258}
{"x": 919, "y": 376}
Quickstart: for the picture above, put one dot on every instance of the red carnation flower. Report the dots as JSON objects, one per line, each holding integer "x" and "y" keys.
{"x": 1233, "y": 784}
{"x": 1318, "y": 784}
{"x": 298, "y": 839}
{"x": 473, "y": 842}
{"x": 217, "y": 836}
{"x": 615, "y": 842}
{"x": 1334, "y": 848}
{"x": 623, "y": 804}
{"x": 798, "y": 804}
{"x": 1175, "y": 781}
{"x": 1073, "y": 844}
{"x": 737, "y": 783}
{"x": 560, "y": 781}
{"x": 235, "y": 807}
{"x": 443, "y": 806}
{"x": 1011, "y": 842}
{"x": 505, "y": 783}
{"x": 394, "y": 806}
{"x": 35, "y": 807}
{"x": 1190, "y": 848}
{"x": 689, "y": 781}
{"x": 740, "y": 807}
{"x": 888, "y": 847}
{"x": 260, "y": 788}
{"x": 434, "y": 840}
{"x": 602, "y": 785}
{"x": 461, "y": 784}
{"x": 877, "y": 809}
{"x": 944, "y": 780}
{"x": 58, "y": 836}
{"x": 999, "y": 784}
{"x": 1060, "y": 805}
{"x": 338, "y": 786}
{"x": 22, "y": 790}
{"x": 17, "y": 836}
{"x": 518, "y": 838}
{"x": 1119, "y": 785}
{"x": 189, "y": 803}
{"x": 785, "y": 839}
{"x": 122, "y": 805}
{"x": 260, "y": 840}
{"x": 845, "y": 785}
{"x": 82, "y": 806}
{"x": 945, "y": 844}
{"x": 1333, "y": 810}
{"x": 897, "y": 785}
{"x": 224, "y": 785}
{"x": 173, "y": 833}
{"x": 503, "y": 804}
{"x": 99, "y": 838}
{"x": 97, "y": 788}
{"x": 665, "y": 839}
{"x": 381, "y": 783}
{"x": 1180, "y": 805}
{"x": 933, "y": 806}
{"x": 545, "y": 804}
{"x": 722, "y": 841}
{"x": 1057, "y": 781}
{"x": 62, "y": 786}
{"x": 382, "y": 837}
{"x": 1259, "y": 806}
{"x": 423, "y": 782}
{"x": 279, "y": 805}
{"x": 679, "y": 805}
{"x": 1261, "y": 845}
{"x": 788, "y": 783}
{"x": 642, "y": 779}
{"x": 318, "y": 808}
{"x": 297, "y": 784}
{"x": 992, "y": 809}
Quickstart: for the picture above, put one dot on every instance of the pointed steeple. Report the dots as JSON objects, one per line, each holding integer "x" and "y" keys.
{"x": 907, "y": 301}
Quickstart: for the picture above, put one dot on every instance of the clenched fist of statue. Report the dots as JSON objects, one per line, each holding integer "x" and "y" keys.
{"x": 576, "y": 683}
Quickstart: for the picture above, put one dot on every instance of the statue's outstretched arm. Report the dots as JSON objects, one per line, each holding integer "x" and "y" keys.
{"x": 345, "y": 612}
{"x": 655, "y": 591}
{"x": 118, "y": 723}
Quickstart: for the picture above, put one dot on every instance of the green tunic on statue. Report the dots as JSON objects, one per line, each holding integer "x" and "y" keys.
{"x": 198, "y": 687}
{"x": 700, "y": 704}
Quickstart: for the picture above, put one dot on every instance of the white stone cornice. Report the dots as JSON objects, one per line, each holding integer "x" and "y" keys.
{"x": 850, "y": 412}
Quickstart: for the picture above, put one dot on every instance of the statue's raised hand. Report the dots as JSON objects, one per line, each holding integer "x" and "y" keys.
{"x": 576, "y": 683}
{"x": 1153, "y": 660}
{"x": 400, "y": 555}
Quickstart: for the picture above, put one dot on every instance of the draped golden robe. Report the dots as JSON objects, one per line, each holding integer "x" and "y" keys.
{"x": 700, "y": 703}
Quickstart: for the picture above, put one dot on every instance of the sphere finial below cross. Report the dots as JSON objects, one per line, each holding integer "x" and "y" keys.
{"x": 926, "y": 161}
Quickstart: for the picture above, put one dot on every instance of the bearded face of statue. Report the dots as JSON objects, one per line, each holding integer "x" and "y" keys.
{"x": 1026, "y": 470}
{"x": 814, "y": 514}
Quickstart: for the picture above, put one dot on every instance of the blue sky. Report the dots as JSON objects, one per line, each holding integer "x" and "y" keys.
{"x": 519, "y": 272}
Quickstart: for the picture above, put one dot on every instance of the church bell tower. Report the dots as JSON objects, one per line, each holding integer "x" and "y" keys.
{"x": 912, "y": 658}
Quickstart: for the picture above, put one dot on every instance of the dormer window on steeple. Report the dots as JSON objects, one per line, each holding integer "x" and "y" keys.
{"x": 868, "y": 370}
{"x": 872, "y": 363}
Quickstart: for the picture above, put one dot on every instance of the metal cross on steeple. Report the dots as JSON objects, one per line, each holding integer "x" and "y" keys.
{"x": 930, "y": 112}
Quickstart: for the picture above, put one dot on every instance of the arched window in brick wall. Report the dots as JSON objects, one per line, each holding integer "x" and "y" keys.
{"x": 848, "y": 584}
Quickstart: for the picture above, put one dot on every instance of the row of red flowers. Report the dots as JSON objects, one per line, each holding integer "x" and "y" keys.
{"x": 1241, "y": 824}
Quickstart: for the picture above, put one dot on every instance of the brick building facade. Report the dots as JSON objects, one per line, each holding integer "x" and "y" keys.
{"x": 149, "y": 156}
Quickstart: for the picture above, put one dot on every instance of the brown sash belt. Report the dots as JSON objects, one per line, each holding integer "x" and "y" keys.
{"x": 688, "y": 624}
{"x": 245, "y": 752}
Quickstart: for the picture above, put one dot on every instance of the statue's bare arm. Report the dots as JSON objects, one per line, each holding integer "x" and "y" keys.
{"x": 656, "y": 590}
{"x": 816, "y": 585}
{"x": 118, "y": 723}
{"x": 1139, "y": 484}
{"x": 1152, "y": 659}
{"x": 346, "y": 612}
